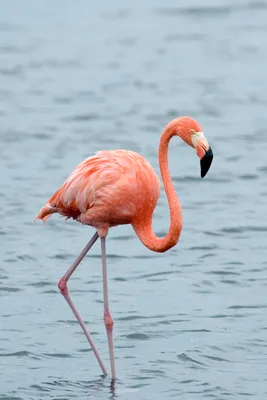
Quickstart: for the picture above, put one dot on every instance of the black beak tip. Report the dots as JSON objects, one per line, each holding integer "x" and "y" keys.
{"x": 205, "y": 162}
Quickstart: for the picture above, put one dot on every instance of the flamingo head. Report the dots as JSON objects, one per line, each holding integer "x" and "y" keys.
{"x": 191, "y": 132}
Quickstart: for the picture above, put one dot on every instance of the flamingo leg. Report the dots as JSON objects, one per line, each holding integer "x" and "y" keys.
{"x": 107, "y": 316}
{"x": 63, "y": 288}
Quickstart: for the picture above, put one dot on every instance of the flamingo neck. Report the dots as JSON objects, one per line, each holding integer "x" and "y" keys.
{"x": 144, "y": 229}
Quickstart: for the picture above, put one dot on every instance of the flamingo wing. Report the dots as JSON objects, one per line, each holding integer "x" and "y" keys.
{"x": 110, "y": 187}
{"x": 80, "y": 190}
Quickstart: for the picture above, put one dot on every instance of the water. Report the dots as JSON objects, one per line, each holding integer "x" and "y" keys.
{"x": 79, "y": 77}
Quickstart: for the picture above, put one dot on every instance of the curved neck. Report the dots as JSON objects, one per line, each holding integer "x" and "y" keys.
{"x": 144, "y": 229}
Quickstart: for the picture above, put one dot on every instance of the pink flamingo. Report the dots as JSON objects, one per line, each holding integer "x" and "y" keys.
{"x": 120, "y": 187}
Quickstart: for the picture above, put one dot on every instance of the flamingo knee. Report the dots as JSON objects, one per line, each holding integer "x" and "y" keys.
{"x": 62, "y": 286}
{"x": 108, "y": 320}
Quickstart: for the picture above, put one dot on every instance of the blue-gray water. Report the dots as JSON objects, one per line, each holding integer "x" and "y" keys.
{"x": 76, "y": 77}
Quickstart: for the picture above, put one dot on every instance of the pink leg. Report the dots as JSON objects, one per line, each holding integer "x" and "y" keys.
{"x": 107, "y": 317}
{"x": 62, "y": 285}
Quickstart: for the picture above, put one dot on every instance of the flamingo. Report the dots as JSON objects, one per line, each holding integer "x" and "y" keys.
{"x": 116, "y": 187}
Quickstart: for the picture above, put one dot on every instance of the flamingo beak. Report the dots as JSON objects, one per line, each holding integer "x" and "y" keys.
{"x": 203, "y": 150}
{"x": 206, "y": 161}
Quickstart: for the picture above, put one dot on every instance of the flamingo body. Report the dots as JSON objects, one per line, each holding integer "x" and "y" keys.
{"x": 111, "y": 188}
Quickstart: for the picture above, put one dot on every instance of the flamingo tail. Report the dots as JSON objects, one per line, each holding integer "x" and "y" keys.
{"x": 46, "y": 212}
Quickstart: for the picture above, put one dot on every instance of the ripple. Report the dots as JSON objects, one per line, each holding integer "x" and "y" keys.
{"x": 203, "y": 11}
{"x": 248, "y": 177}
{"x": 234, "y": 263}
{"x": 9, "y": 49}
{"x": 40, "y": 284}
{"x": 10, "y": 289}
{"x": 212, "y": 247}
{"x": 194, "y": 330}
{"x": 189, "y": 360}
{"x": 39, "y": 388}
{"x": 155, "y": 274}
{"x": 193, "y": 178}
{"x": 82, "y": 117}
{"x": 58, "y": 355}
{"x": 256, "y": 5}
{"x": 119, "y": 279}
{"x": 152, "y": 371}
{"x": 68, "y": 321}
{"x": 214, "y": 358}
{"x": 212, "y": 233}
{"x": 109, "y": 256}
{"x": 144, "y": 257}
{"x": 9, "y": 397}
{"x": 42, "y": 135}
{"x": 246, "y": 307}
{"x": 232, "y": 282}
{"x": 87, "y": 350}
{"x": 132, "y": 318}
{"x": 243, "y": 229}
{"x": 137, "y": 336}
{"x": 51, "y": 291}
{"x": 207, "y": 255}
{"x": 263, "y": 169}
{"x": 171, "y": 321}
{"x": 223, "y": 272}
{"x": 123, "y": 237}
{"x": 230, "y": 316}
{"x": 63, "y": 256}
{"x": 187, "y": 381}
{"x": 22, "y": 353}
{"x": 17, "y": 70}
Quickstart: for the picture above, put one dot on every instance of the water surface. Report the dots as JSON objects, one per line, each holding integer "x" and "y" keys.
{"x": 79, "y": 77}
